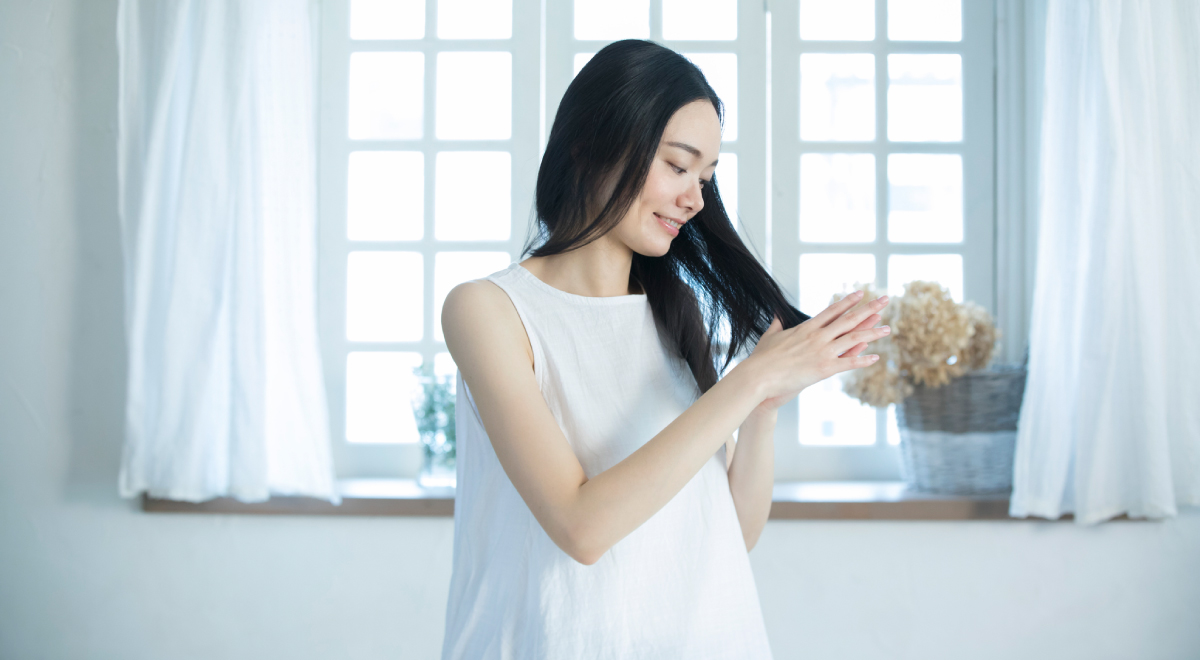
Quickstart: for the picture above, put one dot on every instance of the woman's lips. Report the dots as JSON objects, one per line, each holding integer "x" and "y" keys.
{"x": 666, "y": 225}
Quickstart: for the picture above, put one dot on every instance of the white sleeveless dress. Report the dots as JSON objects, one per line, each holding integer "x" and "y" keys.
{"x": 679, "y": 586}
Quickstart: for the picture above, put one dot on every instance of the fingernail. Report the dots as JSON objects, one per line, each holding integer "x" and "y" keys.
{"x": 857, "y": 294}
{"x": 883, "y": 299}
{"x": 886, "y": 329}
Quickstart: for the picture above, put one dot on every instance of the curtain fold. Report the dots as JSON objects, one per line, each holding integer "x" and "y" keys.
{"x": 217, "y": 176}
{"x": 1110, "y": 422}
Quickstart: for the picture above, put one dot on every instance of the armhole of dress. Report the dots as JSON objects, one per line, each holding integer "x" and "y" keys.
{"x": 530, "y": 336}
{"x": 462, "y": 385}
{"x": 537, "y": 356}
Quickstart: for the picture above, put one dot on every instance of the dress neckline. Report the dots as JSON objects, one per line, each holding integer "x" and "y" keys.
{"x": 574, "y": 297}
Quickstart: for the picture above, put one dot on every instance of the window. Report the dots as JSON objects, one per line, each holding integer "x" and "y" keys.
{"x": 876, "y": 114}
{"x": 429, "y": 149}
{"x": 723, "y": 37}
{"x": 883, "y": 123}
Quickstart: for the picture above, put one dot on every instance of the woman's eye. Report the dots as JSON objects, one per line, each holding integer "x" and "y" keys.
{"x": 680, "y": 170}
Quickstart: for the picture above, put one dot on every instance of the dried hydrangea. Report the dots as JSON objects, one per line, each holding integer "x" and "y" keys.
{"x": 879, "y": 384}
{"x": 931, "y": 331}
{"x": 933, "y": 340}
{"x": 979, "y": 352}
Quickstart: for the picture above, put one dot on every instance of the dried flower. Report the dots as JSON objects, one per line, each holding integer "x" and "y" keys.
{"x": 879, "y": 384}
{"x": 983, "y": 341}
{"x": 931, "y": 331}
{"x": 933, "y": 340}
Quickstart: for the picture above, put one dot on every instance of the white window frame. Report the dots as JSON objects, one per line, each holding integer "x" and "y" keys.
{"x": 561, "y": 47}
{"x": 880, "y": 460}
{"x": 768, "y": 149}
{"x": 395, "y": 460}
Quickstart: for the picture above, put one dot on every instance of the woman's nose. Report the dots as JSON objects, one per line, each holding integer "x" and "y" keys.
{"x": 693, "y": 198}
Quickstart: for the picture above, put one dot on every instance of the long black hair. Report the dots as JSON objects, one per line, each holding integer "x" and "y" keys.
{"x": 604, "y": 139}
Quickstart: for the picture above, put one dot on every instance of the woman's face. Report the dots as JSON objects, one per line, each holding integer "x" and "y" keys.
{"x": 685, "y": 161}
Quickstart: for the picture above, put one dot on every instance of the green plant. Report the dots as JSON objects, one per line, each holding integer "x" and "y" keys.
{"x": 435, "y": 412}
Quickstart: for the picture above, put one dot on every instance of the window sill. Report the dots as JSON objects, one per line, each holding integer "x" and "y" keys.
{"x": 793, "y": 500}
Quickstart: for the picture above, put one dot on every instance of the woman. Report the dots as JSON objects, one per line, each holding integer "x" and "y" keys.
{"x": 601, "y": 510}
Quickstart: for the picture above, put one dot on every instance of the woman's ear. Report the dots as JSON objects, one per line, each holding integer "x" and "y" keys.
{"x": 605, "y": 186}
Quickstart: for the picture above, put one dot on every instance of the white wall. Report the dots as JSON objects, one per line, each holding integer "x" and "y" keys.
{"x": 83, "y": 574}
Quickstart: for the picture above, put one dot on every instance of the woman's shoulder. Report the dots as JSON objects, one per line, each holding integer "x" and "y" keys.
{"x": 478, "y": 317}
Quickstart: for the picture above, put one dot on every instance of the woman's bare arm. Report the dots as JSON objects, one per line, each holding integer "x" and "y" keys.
{"x": 752, "y": 466}
{"x": 752, "y": 473}
{"x": 583, "y": 517}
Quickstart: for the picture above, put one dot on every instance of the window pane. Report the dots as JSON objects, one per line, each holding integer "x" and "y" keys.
{"x": 700, "y": 19}
{"x": 612, "y": 19}
{"x": 453, "y": 268}
{"x": 925, "y": 98}
{"x": 925, "y": 20}
{"x": 822, "y": 275}
{"x": 444, "y": 367}
{"x": 828, "y": 416}
{"x": 474, "y": 96}
{"x": 925, "y": 198}
{"x": 473, "y": 196}
{"x": 474, "y": 19}
{"x": 581, "y": 59}
{"x": 384, "y": 296}
{"x": 727, "y": 181}
{"x": 837, "y": 198}
{"x": 385, "y": 196}
{"x": 721, "y": 71}
{"x": 387, "y": 19}
{"x": 945, "y": 269}
{"x": 380, "y": 388}
{"x": 837, "y": 97}
{"x": 845, "y": 20}
{"x": 386, "y": 96}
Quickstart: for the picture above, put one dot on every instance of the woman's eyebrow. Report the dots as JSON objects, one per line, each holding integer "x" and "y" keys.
{"x": 690, "y": 149}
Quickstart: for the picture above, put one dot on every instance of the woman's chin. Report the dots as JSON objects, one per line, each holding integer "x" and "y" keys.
{"x": 652, "y": 249}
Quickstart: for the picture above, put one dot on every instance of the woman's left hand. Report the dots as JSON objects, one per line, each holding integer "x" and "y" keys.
{"x": 773, "y": 404}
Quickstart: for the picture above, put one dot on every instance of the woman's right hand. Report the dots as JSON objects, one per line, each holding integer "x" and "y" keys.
{"x": 787, "y": 361}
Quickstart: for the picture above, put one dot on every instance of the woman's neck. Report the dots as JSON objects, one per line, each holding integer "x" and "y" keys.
{"x": 598, "y": 270}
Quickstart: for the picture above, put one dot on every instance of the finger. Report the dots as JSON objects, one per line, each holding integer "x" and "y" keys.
{"x": 868, "y": 322}
{"x": 857, "y": 362}
{"x": 863, "y": 361}
{"x": 848, "y": 322}
{"x": 776, "y": 326}
{"x": 835, "y": 310}
{"x": 853, "y": 352}
{"x": 850, "y": 339}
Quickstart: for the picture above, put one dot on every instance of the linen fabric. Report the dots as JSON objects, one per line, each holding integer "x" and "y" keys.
{"x": 679, "y": 586}
{"x": 217, "y": 184}
{"x": 1110, "y": 423}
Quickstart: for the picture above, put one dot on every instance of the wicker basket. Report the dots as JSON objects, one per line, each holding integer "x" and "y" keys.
{"x": 960, "y": 438}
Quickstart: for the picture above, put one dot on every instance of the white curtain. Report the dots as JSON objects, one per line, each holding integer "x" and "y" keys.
{"x": 217, "y": 176}
{"x": 1110, "y": 423}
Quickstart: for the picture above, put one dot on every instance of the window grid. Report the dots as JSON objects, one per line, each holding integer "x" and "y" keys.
{"x": 768, "y": 147}
{"x": 562, "y": 48}
{"x": 875, "y": 458}
{"x": 337, "y": 47}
